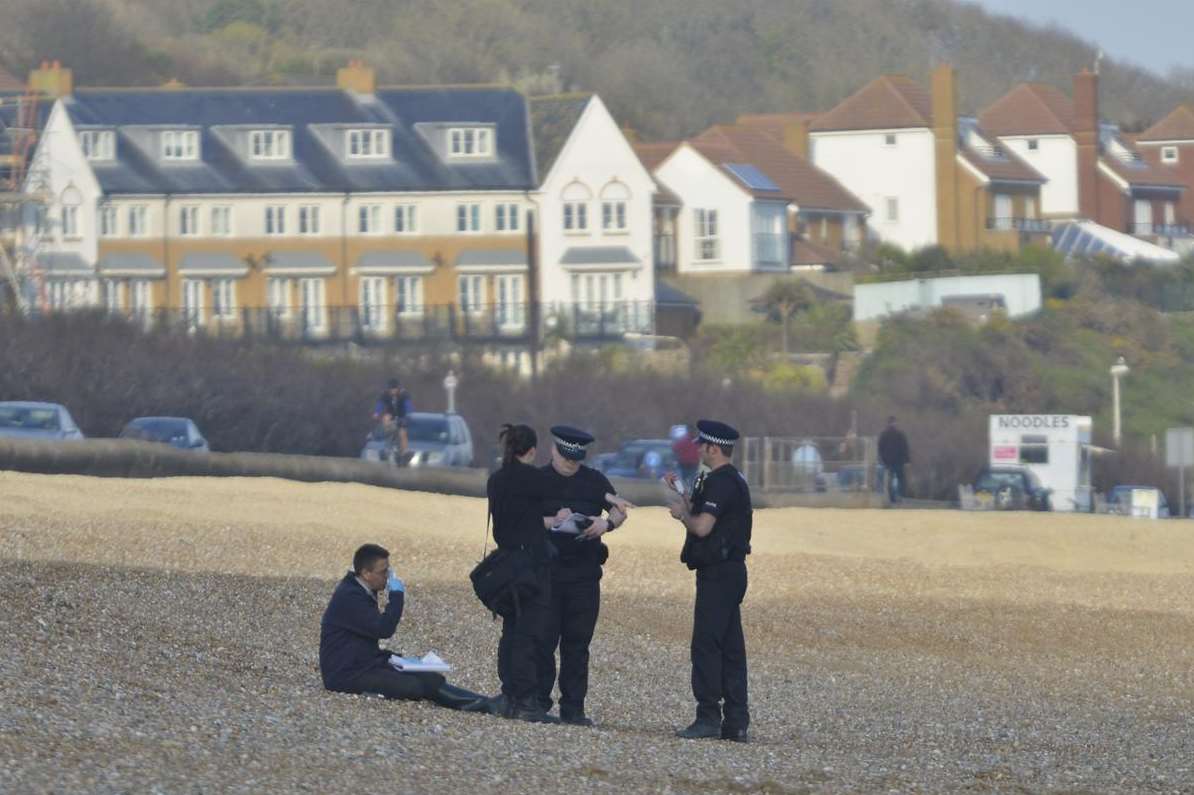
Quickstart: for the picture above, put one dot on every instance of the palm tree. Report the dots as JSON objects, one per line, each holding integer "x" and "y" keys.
{"x": 783, "y": 299}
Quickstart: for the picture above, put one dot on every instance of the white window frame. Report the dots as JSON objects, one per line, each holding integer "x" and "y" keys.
{"x": 269, "y": 144}
{"x": 314, "y": 315}
{"x": 613, "y": 216}
{"x": 576, "y": 217}
{"x": 188, "y": 220}
{"x": 275, "y": 220}
{"x": 506, "y": 217}
{"x": 706, "y": 235}
{"x": 468, "y": 217}
{"x": 193, "y": 300}
{"x": 597, "y": 291}
{"x": 221, "y": 220}
{"x": 369, "y": 219}
{"x": 1170, "y": 155}
{"x": 408, "y": 296}
{"x": 510, "y": 304}
{"x": 1003, "y": 211}
{"x": 112, "y": 295}
{"x": 138, "y": 220}
{"x": 180, "y": 145}
{"x": 97, "y": 144}
{"x": 368, "y": 144}
{"x": 470, "y": 142}
{"x": 108, "y": 219}
{"x": 141, "y": 298}
{"x": 371, "y": 294}
{"x": 1030, "y": 207}
{"x": 891, "y": 209}
{"x": 1142, "y": 216}
{"x": 223, "y": 299}
{"x": 310, "y": 220}
{"x": 70, "y": 222}
{"x": 280, "y": 297}
{"x": 406, "y": 219}
{"x": 470, "y": 293}
{"x": 1170, "y": 214}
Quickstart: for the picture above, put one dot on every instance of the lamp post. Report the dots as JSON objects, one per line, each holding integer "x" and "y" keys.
{"x": 450, "y": 382}
{"x": 1118, "y": 370}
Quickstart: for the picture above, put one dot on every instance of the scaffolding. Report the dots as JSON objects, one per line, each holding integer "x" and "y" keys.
{"x": 18, "y": 249}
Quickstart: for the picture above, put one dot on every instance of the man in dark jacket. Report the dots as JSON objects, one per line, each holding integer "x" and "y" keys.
{"x": 350, "y": 659}
{"x": 894, "y": 455}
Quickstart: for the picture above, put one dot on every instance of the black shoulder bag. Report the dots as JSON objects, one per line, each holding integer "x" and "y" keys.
{"x": 504, "y": 578}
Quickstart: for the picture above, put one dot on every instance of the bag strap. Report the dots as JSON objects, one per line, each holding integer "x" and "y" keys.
{"x": 485, "y": 544}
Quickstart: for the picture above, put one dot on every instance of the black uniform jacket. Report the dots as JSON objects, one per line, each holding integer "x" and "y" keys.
{"x": 584, "y": 493}
{"x": 724, "y": 494}
{"x": 349, "y": 633}
{"x": 516, "y": 494}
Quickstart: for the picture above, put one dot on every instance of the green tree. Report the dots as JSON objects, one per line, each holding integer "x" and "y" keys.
{"x": 782, "y": 300}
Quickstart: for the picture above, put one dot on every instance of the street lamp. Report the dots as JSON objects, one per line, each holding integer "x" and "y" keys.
{"x": 450, "y": 383}
{"x": 1118, "y": 370}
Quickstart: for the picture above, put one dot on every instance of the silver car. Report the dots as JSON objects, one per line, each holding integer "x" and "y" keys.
{"x": 433, "y": 440}
{"x": 32, "y": 420}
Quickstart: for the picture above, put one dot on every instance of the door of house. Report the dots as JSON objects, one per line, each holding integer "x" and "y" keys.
{"x": 1142, "y": 216}
{"x": 192, "y": 302}
{"x": 313, "y": 305}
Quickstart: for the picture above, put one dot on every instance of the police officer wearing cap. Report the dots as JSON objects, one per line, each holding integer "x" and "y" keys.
{"x": 576, "y": 569}
{"x": 717, "y": 521}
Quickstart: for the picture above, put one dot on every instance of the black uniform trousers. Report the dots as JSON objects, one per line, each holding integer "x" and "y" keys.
{"x": 405, "y": 685}
{"x": 571, "y": 620}
{"x": 718, "y": 646}
{"x": 522, "y": 636}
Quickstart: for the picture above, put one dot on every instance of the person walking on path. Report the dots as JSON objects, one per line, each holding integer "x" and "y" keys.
{"x": 894, "y": 455}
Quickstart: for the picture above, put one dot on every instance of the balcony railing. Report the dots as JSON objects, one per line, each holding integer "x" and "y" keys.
{"x": 770, "y": 248}
{"x": 488, "y": 323}
{"x": 1179, "y": 229}
{"x": 1026, "y": 225}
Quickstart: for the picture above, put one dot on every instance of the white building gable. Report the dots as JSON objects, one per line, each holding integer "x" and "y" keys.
{"x": 1056, "y": 157}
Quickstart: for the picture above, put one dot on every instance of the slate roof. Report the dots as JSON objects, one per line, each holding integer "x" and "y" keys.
{"x": 887, "y": 102}
{"x": 315, "y": 166}
{"x": 552, "y": 121}
{"x": 1177, "y": 126}
{"x": 798, "y": 180}
{"x": 1029, "y": 109}
{"x": 998, "y": 163}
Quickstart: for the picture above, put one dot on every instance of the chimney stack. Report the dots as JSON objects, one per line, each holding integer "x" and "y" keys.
{"x": 52, "y": 79}
{"x": 1086, "y": 136}
{"x": 945, "y": 139}
{"x": 356, "y": 77}
{"x": 796, "y": 137}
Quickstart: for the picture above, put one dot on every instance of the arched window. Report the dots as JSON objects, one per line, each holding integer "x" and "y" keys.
{"x": 576, "y": 198}
{"x": 615, "y": 197}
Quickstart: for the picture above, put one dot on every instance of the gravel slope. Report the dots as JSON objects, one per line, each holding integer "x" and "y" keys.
{"x": 160, "y": 636}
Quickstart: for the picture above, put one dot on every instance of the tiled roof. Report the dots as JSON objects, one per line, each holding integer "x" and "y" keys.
{"x": 1139, "y": 173}
{"x": 887, "y": 102}
{"x": 315, "y": 167}
{"x": 1029, "y": 109}
{"x": 1177, "y": 126}
{"x": 798, "y": 180}
{"x": 552, "y": 120}
{"x": 653, "y": 153}
{"x": 775, "y": 124}
{"x": 998, "y": 163}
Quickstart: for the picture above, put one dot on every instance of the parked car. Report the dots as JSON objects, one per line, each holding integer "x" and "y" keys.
{"x": 1120, "y": 499}
{"x": 642, "y": 458}
{"x": 433, "y": 440}
{"x": 177, "y": 432}
{"x": 32, "y": 420}
{"x": 1012, "y": 488}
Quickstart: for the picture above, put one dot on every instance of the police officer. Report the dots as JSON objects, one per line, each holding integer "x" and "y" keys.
{"x": 576, "y": 569}
{"x": 717, "y": 519}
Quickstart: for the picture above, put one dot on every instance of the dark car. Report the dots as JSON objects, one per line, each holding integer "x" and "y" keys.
{"x": 32, "y": 420}
{"x": 642, "y": 458}
{"x": 1012, "y": 488}
{"x": 178, "y": 432}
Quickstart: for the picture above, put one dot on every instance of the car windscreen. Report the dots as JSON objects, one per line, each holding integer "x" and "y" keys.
{"x": 427, "y": 429}
{"x": 993, "y": 481}
{"x": 631, "y": 456}
{"x": 157, "y": 430}
{"x": 29, "y": 418}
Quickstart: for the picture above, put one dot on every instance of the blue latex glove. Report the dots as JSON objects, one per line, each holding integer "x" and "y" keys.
{"x": 395, "y": 584}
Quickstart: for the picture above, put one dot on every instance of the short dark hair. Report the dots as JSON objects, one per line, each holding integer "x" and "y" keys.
{"x": 367, "y": 555}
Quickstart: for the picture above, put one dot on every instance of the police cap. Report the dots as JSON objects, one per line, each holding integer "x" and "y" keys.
{"x": 714, "y": 432}
{"x": 571, "y": 442}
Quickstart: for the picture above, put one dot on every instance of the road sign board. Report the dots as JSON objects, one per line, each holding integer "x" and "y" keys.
{"x": 1179, "y": 447}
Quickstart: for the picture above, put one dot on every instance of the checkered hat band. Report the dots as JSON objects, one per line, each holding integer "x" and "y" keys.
{"x": 716, "y": 440}
{"x": 573, "y": 446}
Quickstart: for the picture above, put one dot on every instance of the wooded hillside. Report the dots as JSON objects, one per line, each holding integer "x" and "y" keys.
{"x": 667, "y": 67}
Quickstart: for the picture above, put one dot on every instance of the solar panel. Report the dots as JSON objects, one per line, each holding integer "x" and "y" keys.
{"x": 751, "y": 177}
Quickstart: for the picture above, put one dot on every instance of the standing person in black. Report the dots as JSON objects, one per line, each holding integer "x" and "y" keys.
{"x": 516, "y": 494}
{"x": 717, "y": 519}
{"x": 350, "y": 660}
{"x": 894, "y": 455}
{"x": 576, "y": 568}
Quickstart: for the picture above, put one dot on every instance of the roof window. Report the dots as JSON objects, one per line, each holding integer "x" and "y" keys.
{"x": 366, "y": 144}
{"x": 470, "y": 142}
{"x": 269, "y": 144}
{"x": 180, "y": 145}
{"x": 98, "y": 144}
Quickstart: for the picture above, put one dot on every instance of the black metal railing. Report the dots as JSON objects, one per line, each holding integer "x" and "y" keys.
{"x": 1027, "y": 225}
{"x": 487, "y": 323}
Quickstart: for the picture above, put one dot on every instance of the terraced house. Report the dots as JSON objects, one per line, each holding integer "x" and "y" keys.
{"x": 352, "y": 211}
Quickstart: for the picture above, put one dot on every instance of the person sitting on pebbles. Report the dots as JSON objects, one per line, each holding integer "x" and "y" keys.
{"x": 350, "y": 658}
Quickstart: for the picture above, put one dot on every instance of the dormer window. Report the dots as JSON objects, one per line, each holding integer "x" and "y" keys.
{"x": 368, "y": 143}
{"x": 1169, "y": 154}
{"x": 180, "y": 145}
{"x": 269, "y": 144}
{"x": 98, "y": 144}
{"x": 470, "y": 142}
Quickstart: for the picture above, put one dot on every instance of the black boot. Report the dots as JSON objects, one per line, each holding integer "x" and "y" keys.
{"x": 700, "y": 730}
{"x": 529, "y": 710}
{"x": 454, "y": 697}
{"x": 734, "y": 735}
{"x": 573, "y": 718}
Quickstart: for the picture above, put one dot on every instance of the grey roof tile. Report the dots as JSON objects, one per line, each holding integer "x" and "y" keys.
{"x": 599, "y": 255}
